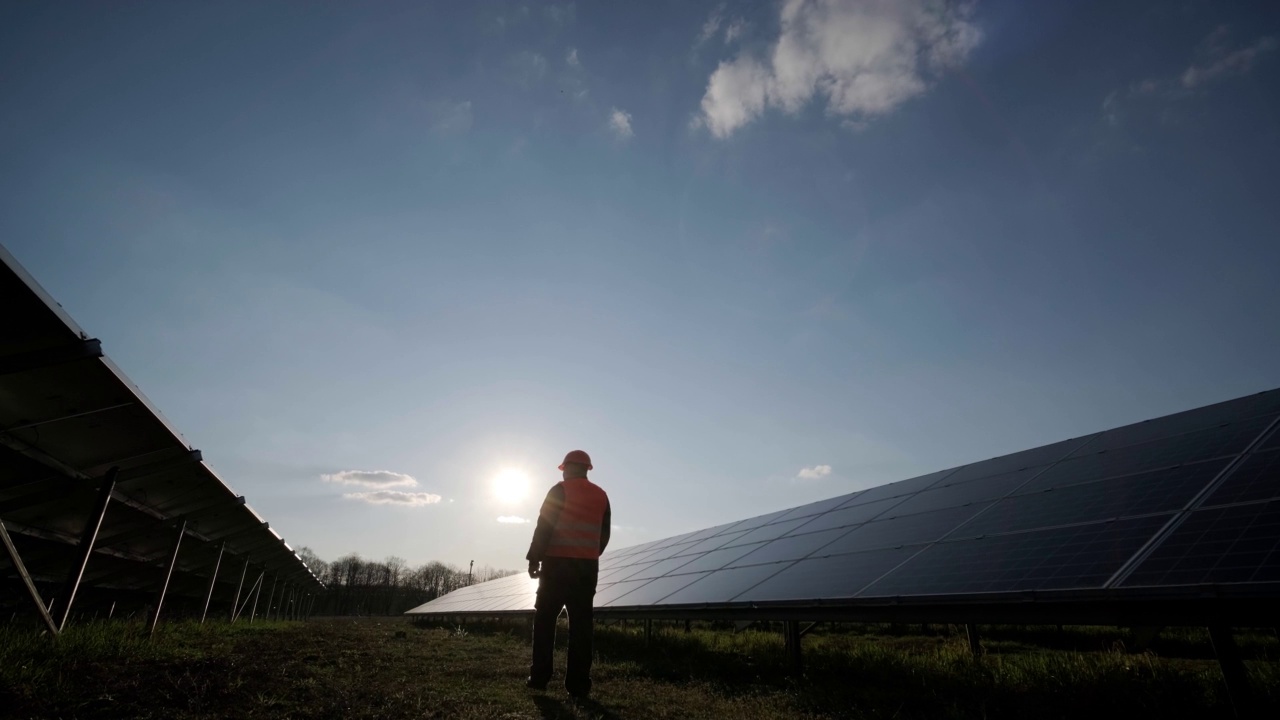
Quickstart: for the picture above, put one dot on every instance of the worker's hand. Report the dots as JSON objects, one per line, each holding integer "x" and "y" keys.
{"x": 535, "y": 567}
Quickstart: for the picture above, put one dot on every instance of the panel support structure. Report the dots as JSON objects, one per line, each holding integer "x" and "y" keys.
{"x": 213, "y": 580}
{"x": 975, "y": 640}
{"x": 234, "y": 603}
{"x": 1233, "y": 672}
{"x": 792, "y": 630}
{"x": 168, "y": 573}
{"x": 253, "y": 612}
{"x": 87, "y": 538}
{"x": 266, "y": 613}
{"x": 26, "y": 579}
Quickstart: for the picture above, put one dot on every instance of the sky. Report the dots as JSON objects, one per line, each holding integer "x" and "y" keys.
{"x": 386, "y": 263}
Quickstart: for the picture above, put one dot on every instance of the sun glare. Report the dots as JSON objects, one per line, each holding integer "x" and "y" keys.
{"x": 511, "y": 485}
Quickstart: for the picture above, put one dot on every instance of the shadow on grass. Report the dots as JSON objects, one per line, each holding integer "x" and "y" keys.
{"x": 551, "y": 708}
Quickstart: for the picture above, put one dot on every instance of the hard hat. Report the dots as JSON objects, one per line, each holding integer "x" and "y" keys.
{"x": 577, "y": 456}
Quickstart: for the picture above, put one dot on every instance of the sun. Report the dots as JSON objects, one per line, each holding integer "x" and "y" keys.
{"x": 511, "y": 485}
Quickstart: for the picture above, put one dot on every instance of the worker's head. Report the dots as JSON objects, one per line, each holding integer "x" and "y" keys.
{"x": 576, "y": 464}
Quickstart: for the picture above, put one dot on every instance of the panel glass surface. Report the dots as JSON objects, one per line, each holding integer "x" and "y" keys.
{"x": 815, "y": 508}
{"x": 1257, "y": 478}
{"x": 847, "y": 516}
{"x": 716, "y": 559}
{"x": 655, "y": 591}
{"x": 761, "y": 520}
{"x": 905, "y": 530}
{"x": 1272, "y": 442}
{"x": 1190, "y": 420}
{"x": 1035, "y": 457}
{"x": 897, "y": 489}
{"x": 606, "y": 594}
{"x": 711, "y": 543}
{"x": 1233, "y": 544}
{"x": 664, "y": 567}
{"x": 1082, "y": 556}
{"x": 793, "y": 547}
{"x": 838, "y": 576}
{"x": 722, "y": 585}
{"x": 1230, "y": 439}
{"x": 767, "y": 532}
{"x": 1159, "y": 491}
{"x": 988, "y": 488}
{"x": 628, "y": 571}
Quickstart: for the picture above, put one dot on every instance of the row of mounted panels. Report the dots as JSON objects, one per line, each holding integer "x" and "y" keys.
{"x": 1187, "y": 500}
{"x": 68, "y": 415}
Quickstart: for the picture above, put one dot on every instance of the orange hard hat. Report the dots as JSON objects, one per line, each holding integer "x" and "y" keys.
{"x": 577, "y": 456}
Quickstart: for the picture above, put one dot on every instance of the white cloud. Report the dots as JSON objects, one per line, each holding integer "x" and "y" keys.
{"x": 394, "y": 497}
{"x": 370, "y": 478}
{"x": 817, "y": 472}
{"x": 1218, "y": 63}
{"x": 735, "y": 30}
{"x": 450, "y": 117}
{"x": 530, "y": 68}
{"x": 866, "y": 57}
{"x": 620, "y": 123}
{"x": 572, "y": 58}
{"x": 512, "y": 520}
{"x": 712, "y": 25}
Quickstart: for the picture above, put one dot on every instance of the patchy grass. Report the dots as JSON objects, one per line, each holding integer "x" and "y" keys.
{"x": 391, "y": 668}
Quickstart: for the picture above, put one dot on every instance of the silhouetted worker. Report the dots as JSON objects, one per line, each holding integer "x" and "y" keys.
{"x": 572, "y": 531}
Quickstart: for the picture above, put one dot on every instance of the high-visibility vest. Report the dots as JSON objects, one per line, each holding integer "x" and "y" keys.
{"x": 577, "y": 531}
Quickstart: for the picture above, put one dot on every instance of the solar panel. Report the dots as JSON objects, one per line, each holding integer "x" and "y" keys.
{"x": 1191, "y": 499}
{"x": 68, "y": 420}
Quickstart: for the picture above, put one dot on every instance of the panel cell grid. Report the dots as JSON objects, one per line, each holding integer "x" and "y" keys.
{"x": 1083, "y": 556}
{"x": 903, "y": 530}
{"x": 792, "y": 547}
{"x": 1221, "y": 441}
{"x": 837, "y": 576}
{"x": 896, "y": 489}
{"x": 1159, "y": 491}
{"x": 655, "y": 591}
{"x": 767, "y": 532}
{"x": 1235, "y": 544}
{"x": 1257, "y": 478}
{"x": 847, "y": 516}
{"x": 816, "y": 508}
{"x": 1036, "y": 457}
{"x": 1267, "y": 403}
{"x": 721, "y": 585}
{"x": 715, "y": 559}
{"x": 952, "y": 495}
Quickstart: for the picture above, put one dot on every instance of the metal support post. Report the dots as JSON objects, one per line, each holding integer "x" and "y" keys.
{"x": 234, "y": 603}
{"x": 87, "y": 538}
{"x": 266, "y": 614}
{"x": 168, "y": 573}
{"x": 26, "y": 579}
{"x": 648, "y": 631}
{"x": 1233, "y": 671}
{"x": 688, "y": 625}
{"x": 213, "y": 579}
{"x": 792, "y": 631}
{"x": 239, "y": 610}
{"x": 975, "y": 640}
{"x": 253, "y": 612}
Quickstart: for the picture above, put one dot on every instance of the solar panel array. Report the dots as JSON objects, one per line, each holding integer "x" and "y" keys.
{"x": 1187, "y": 500}
{"x": 67, "y": 416}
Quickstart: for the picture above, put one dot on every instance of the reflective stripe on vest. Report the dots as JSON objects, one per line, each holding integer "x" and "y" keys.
{"x": 577, "y": 532}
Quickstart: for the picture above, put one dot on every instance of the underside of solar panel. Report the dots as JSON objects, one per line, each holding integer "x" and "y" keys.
{"x": 1174, "y": 520}
{"x": 93, "y": 479}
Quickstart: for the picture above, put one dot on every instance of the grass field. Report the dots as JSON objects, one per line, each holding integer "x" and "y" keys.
{"x": 393, "y": 668}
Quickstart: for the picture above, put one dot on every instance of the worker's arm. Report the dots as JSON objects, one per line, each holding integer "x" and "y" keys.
{"x": 605, "y": 526}
{"x": 547, "y": 518}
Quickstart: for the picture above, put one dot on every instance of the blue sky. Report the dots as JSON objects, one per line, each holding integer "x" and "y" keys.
{"x": 369, "y": 256}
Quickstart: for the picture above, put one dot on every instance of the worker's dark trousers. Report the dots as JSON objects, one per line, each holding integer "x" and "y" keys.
{"x": 571, "y": 583}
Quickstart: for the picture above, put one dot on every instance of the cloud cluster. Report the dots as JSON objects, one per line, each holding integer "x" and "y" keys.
{"x": 817, "y": 472}
{"x": 512, "y": 520}
{"x": 866, "y": 57}
{"x": 1217, "y": 61}
{"x": 381, "y": 479}
{"x": 620, "y": 124}
{"x": 394, "y": 497}
{"x": 371, "y": 478}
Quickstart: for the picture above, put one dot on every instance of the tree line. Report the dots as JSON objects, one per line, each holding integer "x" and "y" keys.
{"x": 356, "y": 586}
